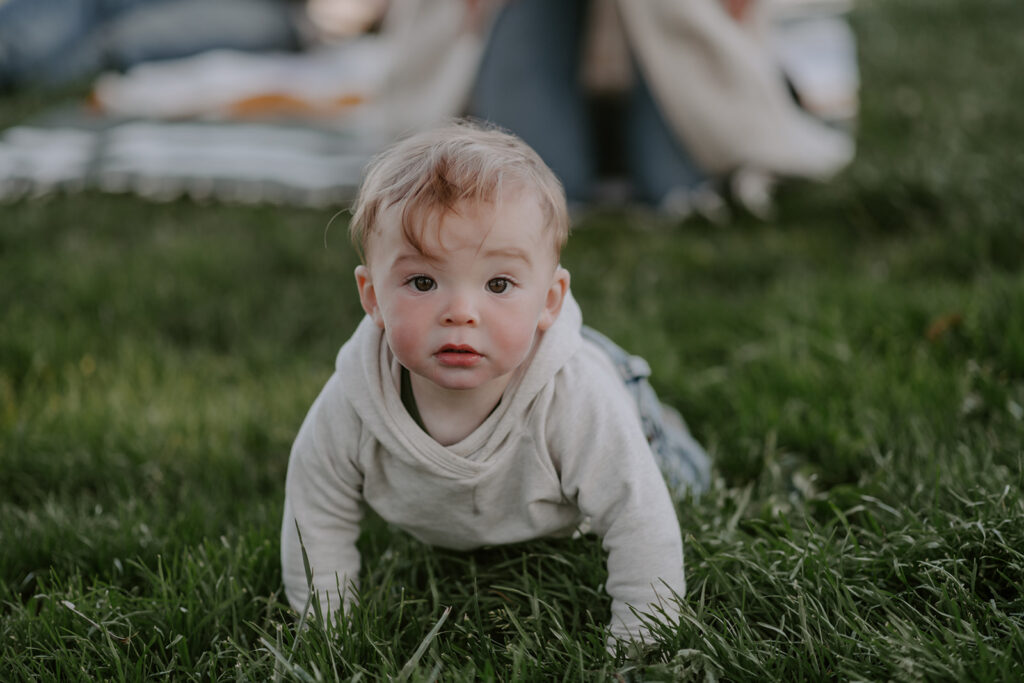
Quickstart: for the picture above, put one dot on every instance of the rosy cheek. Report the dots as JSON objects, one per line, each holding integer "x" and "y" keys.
{"x": 404, "y": 329}
{"x": 514, "y": 339}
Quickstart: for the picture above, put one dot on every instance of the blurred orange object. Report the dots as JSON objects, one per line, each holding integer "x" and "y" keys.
{"x": 738, "y": 9}
{"x": 273, "y": 105}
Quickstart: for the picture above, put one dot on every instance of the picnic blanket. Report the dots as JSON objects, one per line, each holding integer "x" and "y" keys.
{"x": 279, "y": 128}
{"x": 70, "y": 151}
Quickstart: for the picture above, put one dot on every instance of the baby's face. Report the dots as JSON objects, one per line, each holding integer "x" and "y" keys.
{"x": 468, "y": 314}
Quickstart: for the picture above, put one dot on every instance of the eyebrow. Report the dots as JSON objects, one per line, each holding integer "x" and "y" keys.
{"x": 415, "y": 258}
{"x": 509, "y": 252}
{"x": 501, "y": 252}
{"x": 411, "y": 257}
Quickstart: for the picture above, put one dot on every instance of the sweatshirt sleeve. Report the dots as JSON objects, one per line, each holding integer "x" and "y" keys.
{"x": 608, "y": 470}
{"x": 323, "y": 496}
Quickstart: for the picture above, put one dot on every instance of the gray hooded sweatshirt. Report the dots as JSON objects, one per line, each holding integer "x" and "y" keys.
{"x": 564, "y": 447}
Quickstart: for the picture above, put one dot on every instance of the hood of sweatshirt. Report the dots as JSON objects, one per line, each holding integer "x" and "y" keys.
{"x": 371, "y": 377}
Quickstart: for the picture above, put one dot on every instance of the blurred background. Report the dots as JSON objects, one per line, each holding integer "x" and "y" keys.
{"x": 805, "y": 215}
{"x": 678, "y": 106}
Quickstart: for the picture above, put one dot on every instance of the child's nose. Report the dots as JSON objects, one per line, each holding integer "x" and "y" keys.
{"x": 460, "y": 311}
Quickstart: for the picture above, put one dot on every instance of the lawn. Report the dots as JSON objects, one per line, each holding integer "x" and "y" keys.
{"x": 855, "y": 366}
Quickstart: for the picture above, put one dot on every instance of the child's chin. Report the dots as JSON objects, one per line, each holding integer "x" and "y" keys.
{"x": 457, "y": 383}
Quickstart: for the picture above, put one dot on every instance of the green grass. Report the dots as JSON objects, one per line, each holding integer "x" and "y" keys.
{"x": 856, "y": 367}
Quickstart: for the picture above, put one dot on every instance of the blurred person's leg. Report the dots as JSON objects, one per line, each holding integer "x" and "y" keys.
{"x": 529, "y": 82}
{"x": 178, "y": 28}
{"x": 49, "y": 42}
{"x": 38, "y": 38}
{"x": 659, "y": 164}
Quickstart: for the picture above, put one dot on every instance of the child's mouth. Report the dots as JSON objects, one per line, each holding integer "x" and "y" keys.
{"x": 458, "y": 356}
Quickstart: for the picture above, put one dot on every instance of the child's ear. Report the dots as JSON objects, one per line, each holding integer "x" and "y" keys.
{"x": 556, "y": 295}
{"x": 368, "y": 295}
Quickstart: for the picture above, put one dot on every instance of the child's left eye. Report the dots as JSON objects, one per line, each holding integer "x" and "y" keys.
{"x": 422, "y": 283}
{"x": 498, "y": 285}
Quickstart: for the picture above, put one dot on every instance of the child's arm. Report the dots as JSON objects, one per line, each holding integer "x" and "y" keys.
{"x": 323, "y": 497}
{"x": 608, "y": 470}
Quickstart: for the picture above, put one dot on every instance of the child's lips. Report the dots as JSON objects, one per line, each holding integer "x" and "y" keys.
{"x": 458, "y": 356}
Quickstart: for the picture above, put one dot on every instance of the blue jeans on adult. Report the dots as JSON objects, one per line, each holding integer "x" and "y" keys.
{"x": 529, "y": 83}
{"x": 55, "y": 41}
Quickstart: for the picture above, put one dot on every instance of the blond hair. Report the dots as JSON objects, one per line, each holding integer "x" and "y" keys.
{"x": 430, "y": 173}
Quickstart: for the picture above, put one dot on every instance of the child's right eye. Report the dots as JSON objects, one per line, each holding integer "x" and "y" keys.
{"x": 422, "y": 283}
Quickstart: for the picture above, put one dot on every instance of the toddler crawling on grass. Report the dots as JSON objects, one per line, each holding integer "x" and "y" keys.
{"x": 471, "y": 407}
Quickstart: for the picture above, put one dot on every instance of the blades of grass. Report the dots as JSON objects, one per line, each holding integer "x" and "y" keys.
{"x": 407, "y": 670}
{"x": 309, "y": 586}
{"x": 285, "y": 662}
{"x": 311, "y": 597}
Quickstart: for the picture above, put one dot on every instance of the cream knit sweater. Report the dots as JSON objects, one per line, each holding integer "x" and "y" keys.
{"x": 563, "y": 446}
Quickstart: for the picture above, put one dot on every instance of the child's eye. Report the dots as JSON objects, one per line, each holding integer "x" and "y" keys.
{"x": 422, "y": 283}
{"x": 498, "y": 285}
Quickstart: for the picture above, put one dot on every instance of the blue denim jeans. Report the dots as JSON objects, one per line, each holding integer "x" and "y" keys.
{"x": 529, "y": 83}
{"x": 683, "y": 462}
{"x": 47, "y": 42}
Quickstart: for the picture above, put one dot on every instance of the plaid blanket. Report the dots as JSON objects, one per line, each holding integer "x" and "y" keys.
{"x": 71, "y": 150}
